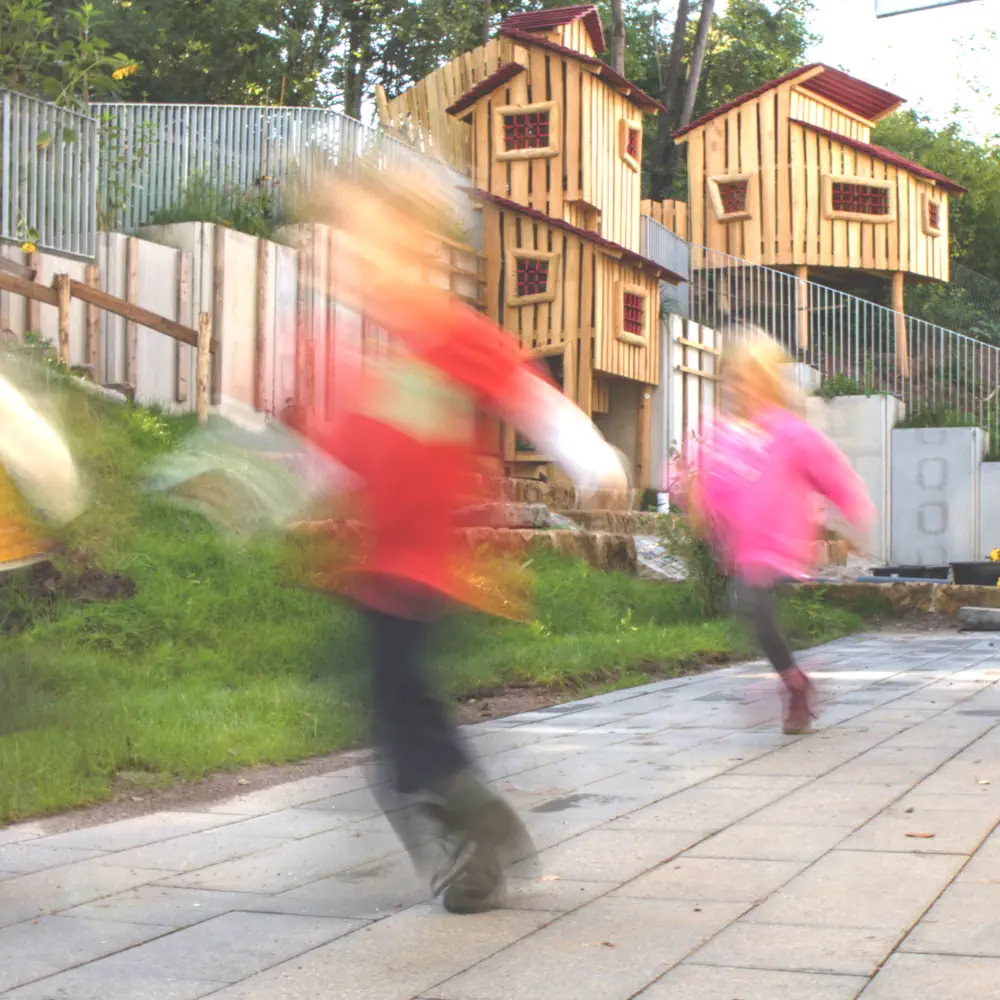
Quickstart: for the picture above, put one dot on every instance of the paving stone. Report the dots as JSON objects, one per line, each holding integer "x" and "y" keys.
{"x": 20, "y": 832}
{"x": 398, "y": 958}
{"x": 842, "y": 951}
{"x": 295, "y": 793}
{"x": 705, "y": 807}
{"x": 107, "y": 980}
{"x": 165, "y": 906}
{"x": 553, "y": 894}
{"x": 861, "y": 889}
{"x": 749, "y": 840}
{"x": 293, "y": 864}
{"x": 964, "y": 921}
{"x": 135, "y": 832}
{"x": 197, "y": 850}
{"x": 369, "y": 892}
{"x": 935, "y": 977}
{"x": 693, "y": 982}
{"x": 608, "y": 855}
{"x": 831, "y": 803}
{"x": 39, "y": 948}
{"x": 901, "y": 829}
{"x": 610, "y": 948}
{"x": 718, "y": 880}
{"x": 30, "y": 896}
{"x": 291, "y": 824}
{"x": 233, "y": 946}
{"x": 25, "y": 857}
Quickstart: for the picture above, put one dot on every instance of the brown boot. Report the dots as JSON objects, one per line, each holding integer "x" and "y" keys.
{"x": 798, "y": 713}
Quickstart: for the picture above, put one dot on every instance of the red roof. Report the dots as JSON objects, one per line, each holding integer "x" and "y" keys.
{"x": 886, "y": 156}
{"x": 626, "y": 88}
{"x": 485, "y": 86}
{"x": 629, "y": 256}
{"x": 543, "y": 20}
{"x": 852, "y": 95}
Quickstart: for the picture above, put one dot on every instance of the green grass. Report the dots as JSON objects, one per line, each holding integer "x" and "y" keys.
{"x": 214, "y": 665}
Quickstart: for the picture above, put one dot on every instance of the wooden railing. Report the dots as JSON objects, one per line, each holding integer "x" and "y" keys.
{"x": 64, "y": 289}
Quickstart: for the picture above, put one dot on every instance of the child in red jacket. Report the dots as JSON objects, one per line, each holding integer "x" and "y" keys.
{"x": 407, "y": 437}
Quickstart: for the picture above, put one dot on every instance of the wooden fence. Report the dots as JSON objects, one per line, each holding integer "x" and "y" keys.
{"x": 60, "y": 296}
{"x": 668, "y": 213}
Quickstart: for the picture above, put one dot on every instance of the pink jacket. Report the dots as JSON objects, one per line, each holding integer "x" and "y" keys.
{"x": 760, "y": 487}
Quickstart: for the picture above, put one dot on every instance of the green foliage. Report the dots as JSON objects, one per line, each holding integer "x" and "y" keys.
{"x": 214, "y": 665}
{"x": 255, "y": 211}
{"x": 840, "y": 385}
{"x": 706, "y": 579}
{"x": 59, "y": 55}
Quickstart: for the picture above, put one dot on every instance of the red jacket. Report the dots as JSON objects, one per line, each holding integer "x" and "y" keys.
{"x": 408, "y": 431}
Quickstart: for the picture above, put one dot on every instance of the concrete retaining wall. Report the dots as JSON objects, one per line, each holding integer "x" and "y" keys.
{"x": 935, "y": 494}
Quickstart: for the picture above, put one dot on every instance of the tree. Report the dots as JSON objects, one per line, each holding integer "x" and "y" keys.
{"x": 55, "y": 50}
{"x": 617, "y": 37}
{"x": 749, "y": 43}
{"x": 697, "y": 60}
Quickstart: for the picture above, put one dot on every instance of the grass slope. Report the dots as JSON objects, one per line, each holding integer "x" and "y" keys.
{"x": 214, "y": 665}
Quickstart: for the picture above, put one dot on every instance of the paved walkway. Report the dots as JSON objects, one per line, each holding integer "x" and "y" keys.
{"x": 688, "y": 852}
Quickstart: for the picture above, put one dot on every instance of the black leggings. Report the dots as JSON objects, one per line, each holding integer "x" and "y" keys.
{"x": 411, "y": 726}
{"x": 758, "y": 605}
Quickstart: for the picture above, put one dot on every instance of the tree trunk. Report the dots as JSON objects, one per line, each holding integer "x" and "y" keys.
{"x": 487, "y": 15}
{"x": 697, "y": 60}
{"x": 617, "y": 37}
{"x": 670, "y": 94}
{"x": 357, "y": 64}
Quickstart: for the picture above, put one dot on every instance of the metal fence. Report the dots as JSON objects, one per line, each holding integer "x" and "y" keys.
{"x": 48, "y": 176}
{"x": 944, "y": 378}
{"x": 152, "y": 154}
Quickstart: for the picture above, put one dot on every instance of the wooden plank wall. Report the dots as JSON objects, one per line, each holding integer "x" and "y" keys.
{"x": 609, "y": 184}
{"x": 611, "y": 355}
{"x": 810, "y": 108}
{"x": 546, "y": 324}
{"x": 788, "y": 226}
{"x": 418, "y": 115}
{"x": 670, "y": 214}
{"x": 588, "y": 167}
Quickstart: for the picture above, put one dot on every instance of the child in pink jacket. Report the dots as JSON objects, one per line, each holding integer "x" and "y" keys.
{"x": 759, "y": 482}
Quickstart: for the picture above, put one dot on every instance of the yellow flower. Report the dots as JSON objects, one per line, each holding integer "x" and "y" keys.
{"x": 29, "y": 247}
{"x": 995, "y": 555}
{"x": 124, "y": 71}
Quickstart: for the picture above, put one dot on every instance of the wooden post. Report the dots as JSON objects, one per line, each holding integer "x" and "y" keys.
{"x": 218, "y": 304}
{"x": 92, "y": 341}
{"x": 182, "y": 352}
{"x": 131, "y": 327}
{"x": 63, "y": 290}
{"x": 643, "y": 443}
{"x": 802, "y": 307}
{"x": 34, "y": 306}
{"x": 902, "y": 345}
{"x": 260, "y": 324}
{"x": 204, "y": 365}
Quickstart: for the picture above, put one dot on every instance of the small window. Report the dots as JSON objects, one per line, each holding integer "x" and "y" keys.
{"x": 532, "y": 277}
{"x": 932, "y": 216}
{"x": 526, "y": 131}
{"x": 633, "y": 326}
{"x": 858, "y": 198}
{"x": 630, "y": 142}
{"x": 732, "y": 196}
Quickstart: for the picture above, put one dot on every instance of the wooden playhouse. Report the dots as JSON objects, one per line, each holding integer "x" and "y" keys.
{"x": 787, "y": 176}
{"x": 551, "y": 139}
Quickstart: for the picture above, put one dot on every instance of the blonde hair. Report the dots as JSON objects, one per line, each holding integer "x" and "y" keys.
{"x": 753, "y": 369}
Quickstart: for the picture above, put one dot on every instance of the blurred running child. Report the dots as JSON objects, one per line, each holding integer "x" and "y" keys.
{"x": 757, "y": 492}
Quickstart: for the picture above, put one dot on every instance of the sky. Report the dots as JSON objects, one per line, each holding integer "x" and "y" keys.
{"x": 935, "y": 59}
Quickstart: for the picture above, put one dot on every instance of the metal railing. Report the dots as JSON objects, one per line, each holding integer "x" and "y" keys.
{"x": 48, "y": 176}
{"x": 152, "y": 153}
{"x": 669, "y": 250}
{"x": 859, "y": 347}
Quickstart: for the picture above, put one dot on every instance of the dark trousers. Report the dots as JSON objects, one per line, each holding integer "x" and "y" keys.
{"x": 410, "y": 723}
{"x": 759, "y": 606}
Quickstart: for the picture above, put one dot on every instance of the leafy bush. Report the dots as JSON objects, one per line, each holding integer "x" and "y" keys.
{"x": 840, "y": 385}
{"x": 707, "y": 580}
